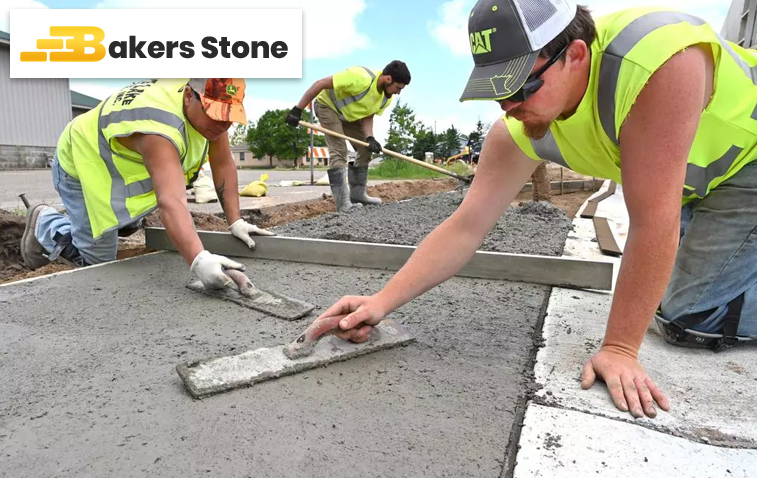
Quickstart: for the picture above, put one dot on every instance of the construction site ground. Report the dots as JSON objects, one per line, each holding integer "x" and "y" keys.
{"x": 284, "y": 205}
{"x": 91, "y": 388}
{"x": 489, "y": 388}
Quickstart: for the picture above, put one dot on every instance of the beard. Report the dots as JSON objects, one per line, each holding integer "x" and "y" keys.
{"x": 532, "y": 129}
{"x": 536, "y": 130}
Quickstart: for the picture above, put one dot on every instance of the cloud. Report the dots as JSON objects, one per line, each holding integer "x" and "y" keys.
{"x": 450, "y": 29}
{"x": 8, "y": 4}
{"x": 329, "y": 26}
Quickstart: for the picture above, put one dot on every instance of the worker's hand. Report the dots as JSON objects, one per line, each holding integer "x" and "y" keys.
{"x": 630, "y": 386}
{"x": 242, "y": 229}
{"x": 209, "y": 269}
{"x": 294, "y": 117}
{"x": 360, "y": 313}
{"x": 373, "y": 145}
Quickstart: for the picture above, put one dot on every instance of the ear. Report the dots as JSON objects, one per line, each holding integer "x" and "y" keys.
{"x": 187, "y": 96}
{"x": 577, "y": 54}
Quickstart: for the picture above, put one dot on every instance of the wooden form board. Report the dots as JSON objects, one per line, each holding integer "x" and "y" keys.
{"x": 591, "y": 207}
{"x": 554, "y": 271}
{"x": 605, "y": 238}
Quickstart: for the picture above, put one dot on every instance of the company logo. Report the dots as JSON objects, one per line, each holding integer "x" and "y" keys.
{"x": 163, "y": 43}
{"x": 480, "y": 42}
{"x": 502, "y": 80}
{"x": 231, "y": 90}
{"x": 75, "y": 44}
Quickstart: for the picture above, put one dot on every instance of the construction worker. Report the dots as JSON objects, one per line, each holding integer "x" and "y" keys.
{"x": 346, "y": 103}
{"x": 138, "y": 150}
{"x": 630, "y": 98}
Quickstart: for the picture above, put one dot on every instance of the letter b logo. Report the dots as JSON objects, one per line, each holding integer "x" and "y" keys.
{"x": 78, "y": 44}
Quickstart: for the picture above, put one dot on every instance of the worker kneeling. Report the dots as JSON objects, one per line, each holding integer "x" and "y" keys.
{"x": 136, "y": 151}
{"x": 346, "y": 103}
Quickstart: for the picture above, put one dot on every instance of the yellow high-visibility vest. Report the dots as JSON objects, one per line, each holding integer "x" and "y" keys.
{"x": 631, "y": 45}
{"x": 355, "y": 94}
{"x": 116, "y": 185}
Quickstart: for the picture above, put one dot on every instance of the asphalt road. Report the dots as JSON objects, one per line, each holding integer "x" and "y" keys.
{"x": 38, "y": 184}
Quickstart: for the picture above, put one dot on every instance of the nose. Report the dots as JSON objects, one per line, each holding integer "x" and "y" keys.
{"x": 509, "y": 105}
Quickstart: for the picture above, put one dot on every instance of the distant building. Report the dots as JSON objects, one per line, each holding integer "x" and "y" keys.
{"x": 739, "y": 25}
{"x": 33, "y": 114}
{"x": 244, "y": 158}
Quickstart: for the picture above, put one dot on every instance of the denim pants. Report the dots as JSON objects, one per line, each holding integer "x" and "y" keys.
{"x": 717, "y": 256}
{"x": 74, "y": 221}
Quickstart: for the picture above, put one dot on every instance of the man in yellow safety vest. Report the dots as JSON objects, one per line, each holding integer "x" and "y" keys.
{"x": 346, "y": 103}
{"x": 630, "y": 98}
{"x": 138, "y": 150}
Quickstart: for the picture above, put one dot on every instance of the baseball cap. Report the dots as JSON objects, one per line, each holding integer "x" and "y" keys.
{"x": 506, "y": 37}
{"x": 221, "y": 97}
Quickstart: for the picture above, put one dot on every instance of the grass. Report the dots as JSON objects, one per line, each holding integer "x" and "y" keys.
{"x": 398, "y": 169}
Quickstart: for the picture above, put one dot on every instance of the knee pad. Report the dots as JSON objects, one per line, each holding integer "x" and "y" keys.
{"x": 64, "y": 249}
{"x": 679, "y": 331}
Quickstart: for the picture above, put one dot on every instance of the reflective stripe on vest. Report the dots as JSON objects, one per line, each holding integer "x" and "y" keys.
{"x": 119, "y": 190}
{"x": 546, "y": 148}
{"x": 612, "y": 59}
{"x": 698, "y": 178}
{"x": 339, "y": 104}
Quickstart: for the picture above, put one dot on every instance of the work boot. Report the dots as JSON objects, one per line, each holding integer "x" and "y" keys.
{"x": 341, "y": 191}
{"x": 32, "y": 252}
{"x": 358, "y": 180}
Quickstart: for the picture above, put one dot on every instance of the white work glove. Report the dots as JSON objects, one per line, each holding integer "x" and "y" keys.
{"x": 242, "y": 229}
{"x": 209, "y": 269}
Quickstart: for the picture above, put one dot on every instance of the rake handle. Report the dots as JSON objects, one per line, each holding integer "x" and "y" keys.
{"x": 385, "y": 151}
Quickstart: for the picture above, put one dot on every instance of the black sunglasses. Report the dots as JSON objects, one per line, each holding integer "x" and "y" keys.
{"x": 533, "y": 83}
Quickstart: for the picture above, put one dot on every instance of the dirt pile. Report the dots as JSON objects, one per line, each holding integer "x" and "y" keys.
{"x": 11, "y": 230}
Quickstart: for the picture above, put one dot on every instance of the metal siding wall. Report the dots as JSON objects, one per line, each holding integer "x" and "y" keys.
{"x": 33, "y": 112}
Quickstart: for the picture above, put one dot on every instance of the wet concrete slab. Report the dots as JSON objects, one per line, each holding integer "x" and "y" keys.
{"x": 88, "y": 363}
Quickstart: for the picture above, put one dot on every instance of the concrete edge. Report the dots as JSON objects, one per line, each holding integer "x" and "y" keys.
{"x": 77, "y": 269}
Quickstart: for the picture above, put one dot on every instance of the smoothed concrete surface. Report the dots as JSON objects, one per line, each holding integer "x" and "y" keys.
{"x": 712, "y": 395}
{"x": 90, "y": 388}
{"x": 567, "y": 444}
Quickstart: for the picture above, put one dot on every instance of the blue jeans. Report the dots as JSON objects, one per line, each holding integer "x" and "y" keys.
{"x": 717, "y": 256}
{"x": 75, "y": 221}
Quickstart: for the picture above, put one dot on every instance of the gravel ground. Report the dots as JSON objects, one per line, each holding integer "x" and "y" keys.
{"x": 534, "y": 228}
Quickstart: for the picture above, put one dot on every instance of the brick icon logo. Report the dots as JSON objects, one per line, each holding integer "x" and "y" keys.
{"x": 73, "y": 42}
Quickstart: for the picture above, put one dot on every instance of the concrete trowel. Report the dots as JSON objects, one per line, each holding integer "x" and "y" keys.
{"x": 316, "y": 347}
{"x": 243, "y": 292}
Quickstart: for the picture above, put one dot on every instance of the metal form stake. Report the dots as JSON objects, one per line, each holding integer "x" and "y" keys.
{"x": 24, "y": 200}
{"x": 310, "y": 153}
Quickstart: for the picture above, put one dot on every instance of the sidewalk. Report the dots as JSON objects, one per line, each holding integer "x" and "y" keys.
{"x": 710, "y": 430}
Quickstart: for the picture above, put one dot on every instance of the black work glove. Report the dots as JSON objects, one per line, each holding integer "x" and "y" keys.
{"x": 373, "y": 145}
{"x": 294, "y": 117}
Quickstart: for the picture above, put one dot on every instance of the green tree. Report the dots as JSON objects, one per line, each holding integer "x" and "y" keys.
{"x": 476, "y": 137}
{"x": 239, "y": 134}
{"x": 449, "y": 142}
{"x": 425, "y": 141}
{"x": 272, "y": 137}
{"x": 403, "y": 129}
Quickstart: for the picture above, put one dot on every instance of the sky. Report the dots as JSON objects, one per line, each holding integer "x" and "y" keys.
{"x": 430, "y": 36}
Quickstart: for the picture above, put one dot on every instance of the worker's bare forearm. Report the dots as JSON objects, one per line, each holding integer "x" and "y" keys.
{"x": 644, "y": 274}
{"x": 180, "y": 227}
{"x": 440, "y": 256}
{"x": 367, "y": 124}
{"x": 312, "y": 92}
{"x": 225, "y": 179}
